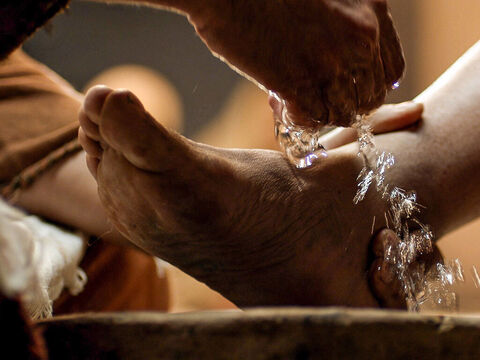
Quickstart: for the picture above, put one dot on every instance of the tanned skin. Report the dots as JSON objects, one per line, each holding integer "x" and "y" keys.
{"x": 259, "y": 231}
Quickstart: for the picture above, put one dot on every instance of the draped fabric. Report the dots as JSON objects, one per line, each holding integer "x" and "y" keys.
{"x": 38, "y": 120}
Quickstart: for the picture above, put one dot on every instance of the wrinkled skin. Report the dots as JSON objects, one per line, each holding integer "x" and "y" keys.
{"x": 328, "y": 59}
{"x": 245, "y": 222}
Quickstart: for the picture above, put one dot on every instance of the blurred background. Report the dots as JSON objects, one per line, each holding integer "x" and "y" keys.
{"x": 201, "y": 97}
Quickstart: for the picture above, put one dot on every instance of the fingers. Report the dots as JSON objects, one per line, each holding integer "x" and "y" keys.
{"x": 338, "y": 137}
{"x": 390, "y": 47}
{"x": 395, "y": 116}
{"x": 276, "y": 104}
{"x": 386, "y": 119}
{"x": 284, "y": 110}
{"x": 381, "y": 63}
{"x": 370, "y": 87}
{"x": 356, "y": 76}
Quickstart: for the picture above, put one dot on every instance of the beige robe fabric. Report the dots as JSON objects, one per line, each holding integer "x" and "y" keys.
{"x": 38, "y": 114}
{"x": 38, "y": 125}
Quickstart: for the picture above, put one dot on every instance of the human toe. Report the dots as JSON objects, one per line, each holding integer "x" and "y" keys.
{"x": 92, "y": 165}
{"x": 90, "y": 146}
{"x": 128, "y": 128}
{"x": 88, "y": 126}
{"x": 94, "y": 101}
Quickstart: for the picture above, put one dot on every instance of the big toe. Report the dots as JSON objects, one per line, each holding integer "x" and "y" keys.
{"x": 127, "y": 127}
{"x": 94, "y": 101}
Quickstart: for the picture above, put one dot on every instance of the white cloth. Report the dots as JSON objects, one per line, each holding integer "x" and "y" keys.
{"x": 37, "y": 260}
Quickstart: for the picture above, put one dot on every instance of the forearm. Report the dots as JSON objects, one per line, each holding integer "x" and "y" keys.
{"x": 67, "y": 194}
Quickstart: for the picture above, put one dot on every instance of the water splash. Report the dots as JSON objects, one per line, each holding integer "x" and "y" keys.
{"x": 395, "y": 85}
{"x": 476, "y": 277}
{"x": 301, "y": 145}
{"x": 424, "y": 289}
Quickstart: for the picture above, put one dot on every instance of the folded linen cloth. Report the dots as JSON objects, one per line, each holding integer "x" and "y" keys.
{"x": 37, "y": 260}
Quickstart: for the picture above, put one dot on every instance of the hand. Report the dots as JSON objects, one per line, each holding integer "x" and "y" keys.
{"x": 327, "y": 59}
{"x": 383, "y": 283}
{"x": 387, "y": 118}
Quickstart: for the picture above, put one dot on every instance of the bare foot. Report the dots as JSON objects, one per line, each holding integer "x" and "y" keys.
{"x": 245, "y": 222}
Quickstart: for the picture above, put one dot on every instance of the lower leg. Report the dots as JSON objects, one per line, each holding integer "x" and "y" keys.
{"x": 38, "y": 115}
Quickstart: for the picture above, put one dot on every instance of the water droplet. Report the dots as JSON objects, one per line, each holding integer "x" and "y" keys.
{"x": 301, "y": 145}
{"x": 476, "y": 277}
{"x": 423, "y": 290}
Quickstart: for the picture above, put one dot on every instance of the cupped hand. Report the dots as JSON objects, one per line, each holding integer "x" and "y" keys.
{"x": 327, "y": 59}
